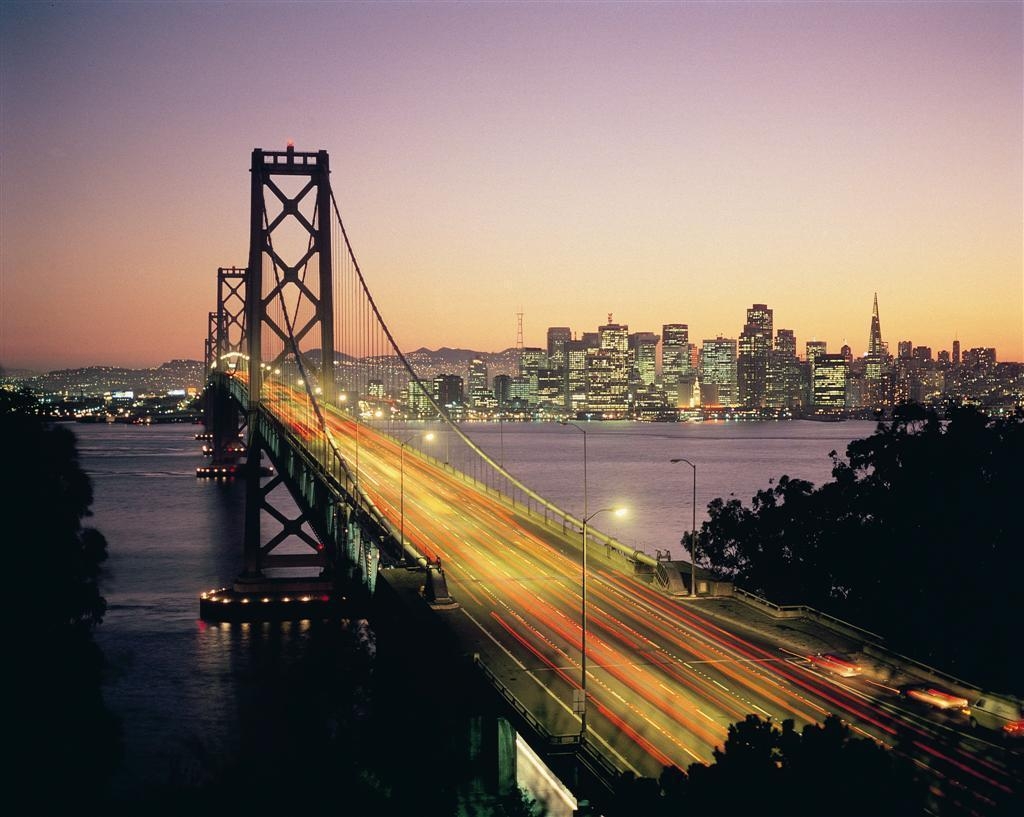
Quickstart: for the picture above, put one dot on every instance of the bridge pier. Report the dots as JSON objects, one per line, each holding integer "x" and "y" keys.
{"x": 224, "y": 424}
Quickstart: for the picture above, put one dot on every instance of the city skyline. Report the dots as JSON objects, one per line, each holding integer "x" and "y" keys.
{"x": 833, "y": 347}
{"x": 562, "y": 160}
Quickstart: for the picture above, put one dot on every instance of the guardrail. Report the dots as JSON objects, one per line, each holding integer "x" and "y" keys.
{"x": 870, "y": 648}
{"x": 547, "y": 514}
{"x": 802, "y": 611}
{"x": 520, "y": 707}
{"x": 879, "y": 653}
{"x": 586, "y": 752}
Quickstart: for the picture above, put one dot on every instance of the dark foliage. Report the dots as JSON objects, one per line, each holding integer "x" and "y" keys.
{"x": 766, "y": 770}
{"x": 917, "y": 537}
{"x": 64, "y": 741}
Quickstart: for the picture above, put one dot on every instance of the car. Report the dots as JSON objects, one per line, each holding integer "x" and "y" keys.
{"x": 835, "y": 663}
{"x": 933, "y": 696}
{"x": 998, "y": 713}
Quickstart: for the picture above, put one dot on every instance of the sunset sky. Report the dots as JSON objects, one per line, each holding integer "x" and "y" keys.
{"x": 664, "y": 162}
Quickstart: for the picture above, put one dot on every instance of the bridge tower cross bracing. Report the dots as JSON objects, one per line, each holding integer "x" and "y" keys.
{"x": 231, "y": 308}
{"x": 281, "y": 303}
{"x": 210, "y": 344}
{"x": 225, "y": 350}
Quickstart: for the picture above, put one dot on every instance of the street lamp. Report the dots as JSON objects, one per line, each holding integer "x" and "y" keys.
{"x": 583, "y": 621}
{"x": 401, "y": 491}
{"x": 583, "y": 608}
{"x": 693, "y": 540}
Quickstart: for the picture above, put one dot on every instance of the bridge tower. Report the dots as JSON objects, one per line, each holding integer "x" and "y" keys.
{"x": 225, "y": 344}
{"x": 288, "y": 297}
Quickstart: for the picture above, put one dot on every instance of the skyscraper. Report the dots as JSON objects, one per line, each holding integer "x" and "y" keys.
{"x": 718, "y": 372}
{"x": 448, "y": 391}
{"x": 477, "y": 382}
{"x": 532, "y": 361}
{"x": 675, "y": 362}
{"x": 644, "y": 349}
{"x": 755, "y": 345}
{"x": 576, "y": 375}
{"x": 558, "y": 336}
{"x": 876, "y": 365}
{"x": 783, "y": 372}
{"x": 829, "y": 385}
{"x": 875, "y": 346}
{"x": 610, "y": 390}
{"x": 814, "y": 350}
{"x": 607, "y": 394}
{"x": 558, "y": 361}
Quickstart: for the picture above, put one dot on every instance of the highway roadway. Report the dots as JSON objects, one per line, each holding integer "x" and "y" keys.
{"x": 664, "y": 681}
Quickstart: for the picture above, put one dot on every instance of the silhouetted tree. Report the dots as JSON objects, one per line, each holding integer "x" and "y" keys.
{"x": 917, "y": 537}
{"x": 63, "y": 742}
{"x": 767, "y": 769}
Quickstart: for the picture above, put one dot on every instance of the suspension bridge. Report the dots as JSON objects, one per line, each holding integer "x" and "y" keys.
{"x": 597, "y": 664}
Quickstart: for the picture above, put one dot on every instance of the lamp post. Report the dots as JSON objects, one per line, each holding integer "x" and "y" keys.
{"x": 693, "y": 528}
{"x": 583, "y": 595}
{"x": 401, "y": 481}
{"x": 583, "y": 621}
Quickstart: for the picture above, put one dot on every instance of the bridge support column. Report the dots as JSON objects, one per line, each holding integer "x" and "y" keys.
{"x": 491, "y": 749}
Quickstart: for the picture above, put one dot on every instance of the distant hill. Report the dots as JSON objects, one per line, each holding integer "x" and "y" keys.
{"x": 185, "y": 374}
{"x": 431, "y": 362}
{"x": 92, "y": 380}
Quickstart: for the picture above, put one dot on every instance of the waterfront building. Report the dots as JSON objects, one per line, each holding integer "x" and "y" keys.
{"x": 502, "y": 387}
{"x": 675, "y": 362}
{"x": 649, "y": 403}
{"x": 718, "y": 372}
{"x": 417, "y": 401}
{"x": 448, "y": 390}
{"x": 519, "y": 392}
{"x": 477, "y": 383}
{"x": 550, "y": 393}
{"x": 830, "y": 373}
{"x": 607, "y": 386}
{"x": 783, "y": 386}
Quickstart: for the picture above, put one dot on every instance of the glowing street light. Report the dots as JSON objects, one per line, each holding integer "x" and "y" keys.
{"x": 401, "y": 491}
{"x": 693, "y": 528}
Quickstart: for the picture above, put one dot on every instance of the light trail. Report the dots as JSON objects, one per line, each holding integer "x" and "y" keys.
{"x": 664, "y": 680}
